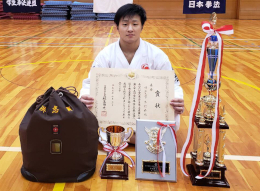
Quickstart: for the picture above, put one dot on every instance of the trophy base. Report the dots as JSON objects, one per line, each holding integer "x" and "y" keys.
{"x": 215, "y": 179}
{"x": 206, "y": 182}
{"x": 115, "y": 169}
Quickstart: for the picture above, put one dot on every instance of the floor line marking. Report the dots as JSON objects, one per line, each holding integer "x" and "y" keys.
{"x": 177, "y": 48}
{"x": 252, "y": 86}
{"x": 201, "y": 39}
{"x": 186, "y": 37}
{"x": 59, "y": 186}
{"x": 20, "y": 45}
{"x": 13, "y": 43}
{"x": 238, "y": 45}
{"x": 10, "y": 66}
{"x": 132, "y": 153}
{"x": 241, "y": 82}
{"x": 54, "y": 37}
{"x": 227, "y": 78}
{"x": 223, "y": 48}
{"x": 118, "y": 37}
{"x": 108, "y": 38}
{"x": 40, "y": 33}
{"x": 82, "y": 43}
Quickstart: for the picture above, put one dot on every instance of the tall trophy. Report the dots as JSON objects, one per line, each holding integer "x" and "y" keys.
{"x": 114, "y": 141}
{"x": 207, "y": 166}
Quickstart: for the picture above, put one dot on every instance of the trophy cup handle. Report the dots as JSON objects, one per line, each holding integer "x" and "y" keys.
{"x": 103, "y": 130}
{"x": 132, "y": 132}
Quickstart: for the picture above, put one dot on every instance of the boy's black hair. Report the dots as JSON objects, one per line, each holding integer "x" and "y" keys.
{"x": 130, "y": 10}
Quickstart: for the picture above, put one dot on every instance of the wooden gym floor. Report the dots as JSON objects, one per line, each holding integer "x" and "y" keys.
{"x": 35, "y": 55}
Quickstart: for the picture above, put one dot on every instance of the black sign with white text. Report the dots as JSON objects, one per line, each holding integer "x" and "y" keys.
{"x": 204, "y": 6}
{"x": 22, "y": 6}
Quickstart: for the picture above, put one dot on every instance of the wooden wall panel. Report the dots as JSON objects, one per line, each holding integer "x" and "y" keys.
{"x": 249, "y": 9}
{"x": 170, "y": 9}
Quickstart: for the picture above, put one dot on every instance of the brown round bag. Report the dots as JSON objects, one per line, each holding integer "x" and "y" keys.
{"x": 59, "y": 138}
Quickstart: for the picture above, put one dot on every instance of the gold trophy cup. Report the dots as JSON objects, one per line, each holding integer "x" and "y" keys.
{"x": 115, "y": 167}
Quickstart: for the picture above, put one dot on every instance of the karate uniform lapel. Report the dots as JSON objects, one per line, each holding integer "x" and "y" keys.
{"x": 138, "y": 57}
{"x": 137, "y": 60}
{"x": 122, "y": 61}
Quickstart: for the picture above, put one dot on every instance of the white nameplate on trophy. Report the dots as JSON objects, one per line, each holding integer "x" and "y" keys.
{"x": 124, "y": 95}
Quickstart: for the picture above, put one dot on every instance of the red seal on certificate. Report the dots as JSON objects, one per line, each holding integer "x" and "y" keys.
{"x": 103, "y": 113}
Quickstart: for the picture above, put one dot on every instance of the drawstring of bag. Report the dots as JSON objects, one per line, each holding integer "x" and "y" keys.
{"x": 70, "y": 89}
{"x": 39, "y": 99}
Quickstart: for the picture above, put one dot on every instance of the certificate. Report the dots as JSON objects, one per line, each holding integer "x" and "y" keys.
{"x": 124, "y": 95}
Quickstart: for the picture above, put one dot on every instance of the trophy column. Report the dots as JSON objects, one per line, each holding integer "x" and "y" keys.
{"x": 200, "y": 143}
{"x": 199, "y": 164}
{"x": 221, "y": 148}
{"x": 194, "y": 152}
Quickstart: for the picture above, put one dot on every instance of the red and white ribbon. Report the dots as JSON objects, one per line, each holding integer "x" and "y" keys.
{"x": 159, "y": 142}
{"x": 107, "y": 147}
{"x": 207, "y": 28}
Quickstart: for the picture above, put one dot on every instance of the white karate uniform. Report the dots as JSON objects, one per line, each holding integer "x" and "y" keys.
{"x": 147, "y": 55}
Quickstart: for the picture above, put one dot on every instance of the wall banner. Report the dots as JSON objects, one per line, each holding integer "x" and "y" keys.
{"x": 204, "y": 6}
{"x": 22, "y": 6}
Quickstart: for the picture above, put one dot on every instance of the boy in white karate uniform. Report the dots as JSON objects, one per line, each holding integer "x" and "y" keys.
{"x": 130, "y": 51}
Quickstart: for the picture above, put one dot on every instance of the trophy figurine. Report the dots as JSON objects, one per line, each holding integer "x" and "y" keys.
{"x": 200, "y": 159}
{"x": 114, "y": 141}
{"x": 207, "y": 142}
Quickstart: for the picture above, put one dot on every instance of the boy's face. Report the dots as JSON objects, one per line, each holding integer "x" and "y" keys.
{"x": 130, "y": 29}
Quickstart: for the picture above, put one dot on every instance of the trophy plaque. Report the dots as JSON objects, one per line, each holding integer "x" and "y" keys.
{"x": 147, "y": 161}
{"x": 200, "y": 157}
{"x": 114, "y": 166}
